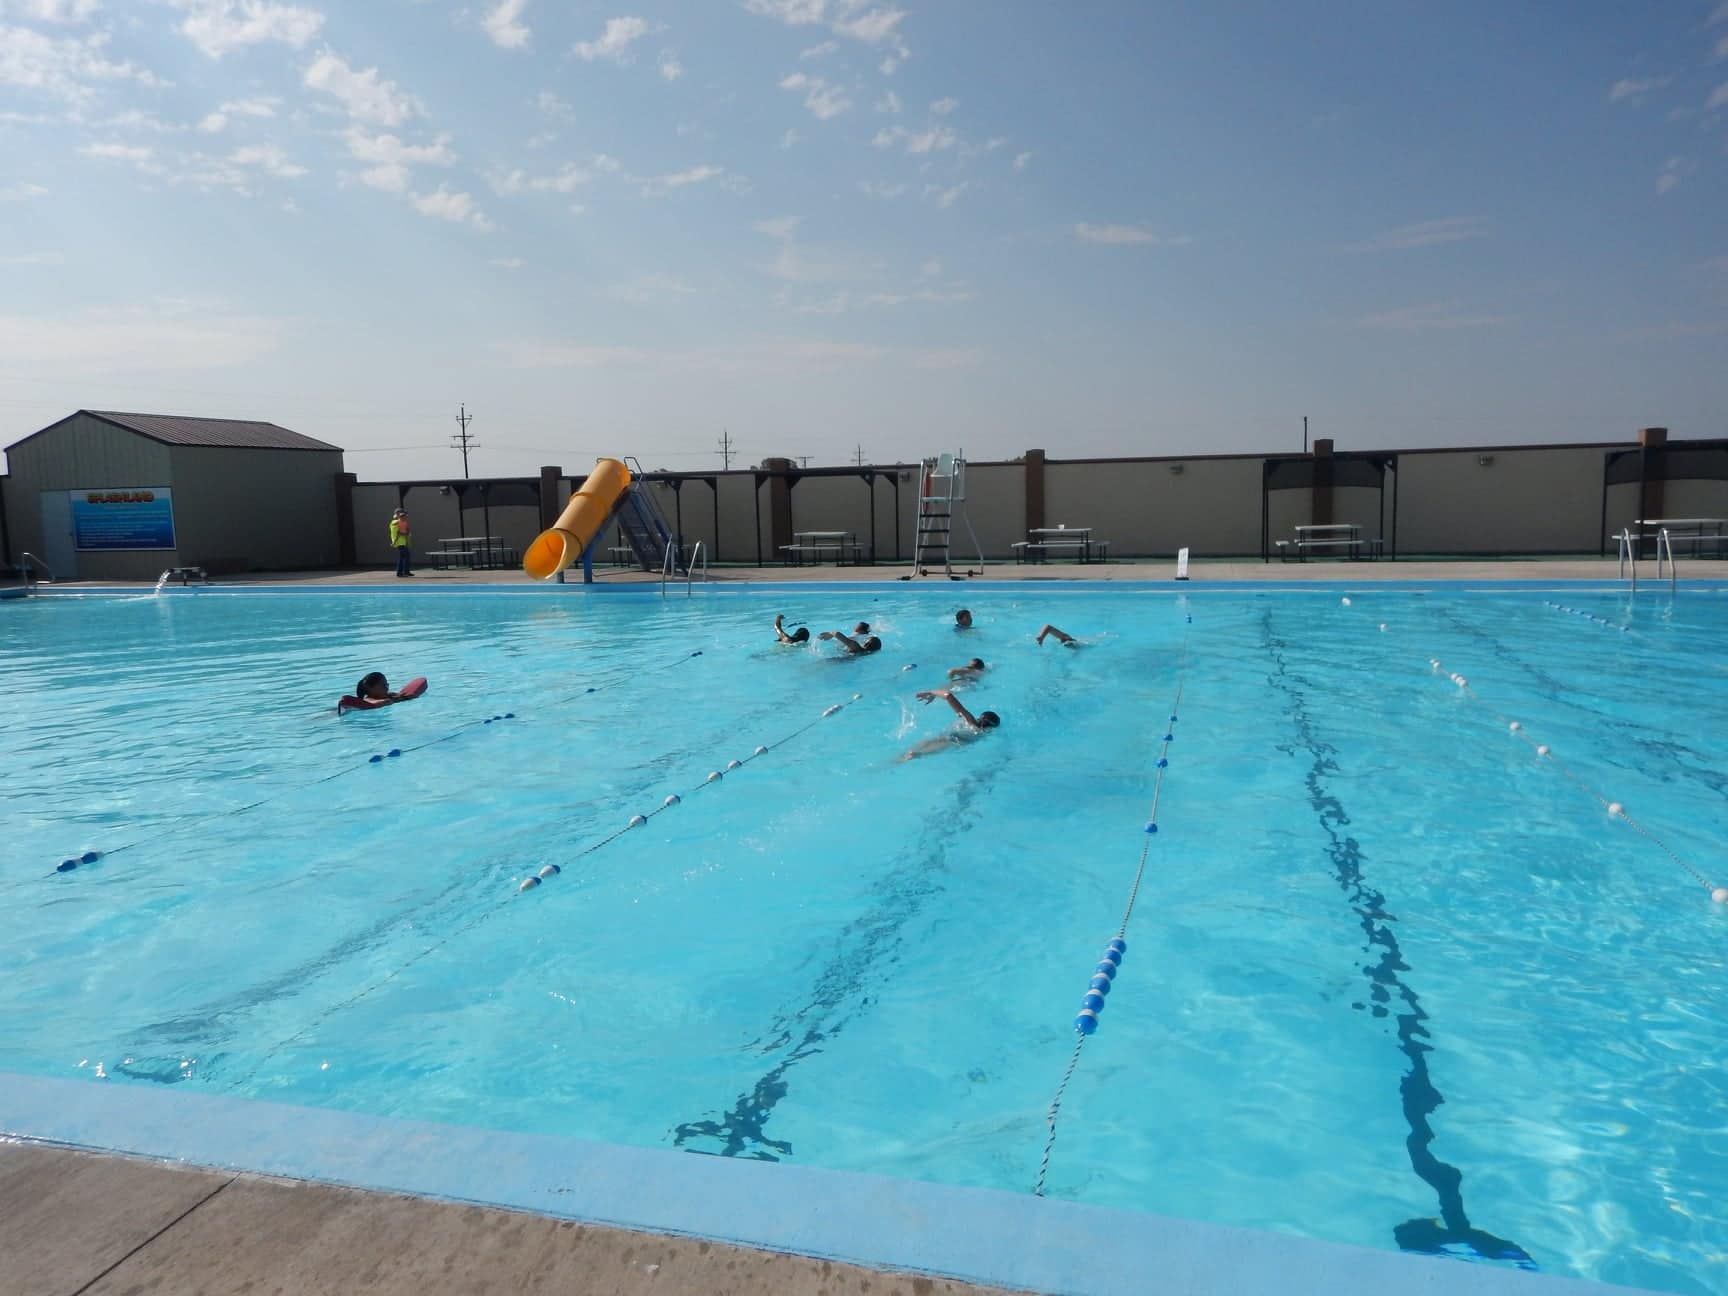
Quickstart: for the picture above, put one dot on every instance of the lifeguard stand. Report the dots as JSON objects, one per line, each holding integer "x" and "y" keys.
{"x": 942, "y": 503}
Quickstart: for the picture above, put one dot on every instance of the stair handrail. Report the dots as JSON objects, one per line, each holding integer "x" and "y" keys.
{"x": 1665, "y": 542}
{"x": 668, "y": 565}
{"x": 699, "y": 553}
{"x": 1628, "y": 555}
{"x": 29, "y": 564}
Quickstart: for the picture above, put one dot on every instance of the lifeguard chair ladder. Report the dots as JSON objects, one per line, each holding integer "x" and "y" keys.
{"x": 942, "y": 502}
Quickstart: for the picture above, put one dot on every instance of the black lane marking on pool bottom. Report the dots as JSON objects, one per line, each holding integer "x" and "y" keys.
{"x": 862, "y": 946}
{"x": 1453, "y": 1231}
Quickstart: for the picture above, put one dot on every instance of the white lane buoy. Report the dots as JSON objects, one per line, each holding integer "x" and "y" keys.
{"x": 1345, "y": 600}
{"x": 1382, "y": 627}
{"x": 831, "y": 710}
{"x": 1615, "y": 809}
{"x": 671, "y": 800}
{"x": 714, "y": 776}
{"x": 908, "y": 666}
{"x": 857, "y": 697}
{"x": 1514, "y": 726}
{"x": 760, "y": 751}
{"x": 1542, "y": 750}
{"x": 1434, "y": 662}
{"x": 1461, "y": 681}
{"x": 528, "y": 884}
{"x": 732, "y": 764}
{"x": 1720, "y": 895}
{"x": 636, "y": 821}
{"x": 549, "y": 870}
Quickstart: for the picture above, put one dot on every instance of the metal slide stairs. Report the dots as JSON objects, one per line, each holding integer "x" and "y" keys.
{"x": 640, "y": 523}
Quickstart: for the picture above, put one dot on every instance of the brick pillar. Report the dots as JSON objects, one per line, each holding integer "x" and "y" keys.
{"x": 779, "y": 504}
{"x": 1652, "y": 480}
{"x": 1321, "y": 506}
{"x": 549, "y": 510}
{"x": 1034, "y": 471}
{"x": 345, "y": 519}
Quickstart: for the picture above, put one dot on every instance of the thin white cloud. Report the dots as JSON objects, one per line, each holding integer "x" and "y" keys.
{"x": 891, "y": 64}
{"x": 365, "y": 94}
{"x": 1125, "y": 236}
{"x": 1020, "y": 161}
{"x": 565, "y": 355}
{"x": 268, "y": 158}
{"x": 872, "y": 27}
{"x": 1430, "y": 315}
{"x": 874, "y": 189}
{"x": 650, "y": 290}
{"x": 1676, "y": 169}
{"x": 135, "y": 119}
{"x": 789, "y": 138}
{"x": 391, "y": 177}
{"x": 888, "y": 103}
{"x": 656, "y": 186}
{"x": 930, "y": 268}
{"x": 34, "y": 259}
{"x": 264, "y": 106}
{"x": 1718, "y": 97}
{"x": 942, "y": 107}
{"x": 390, "y": 150}
{"x": 139, "y": 155}
{"x": 781, "y": 227}
{"x": 1450, "y": 229}
{"x": 219, "y": 27}
{"x": 854, "y": 19}
{"x": 458, "y": 208}
{"x": 1627, "y": 88}
{"x": 670, "y": 68}
{"x": 1722, "y": 49}
{"x": 614, "y": 42}
{"x": 932, "y": 139}
{"x": 22, "y": 192}
{"x": 553, "y": 106}
{"x": 823, "y": 99}
{"x": 566, "y": 179}
{"x": 503, "y": 24}
{"x": 67, "y": 67}
{"x": 1718, "y": 15}
{"x": 52, "y": 11}
{"x": 137, "y": 339}
{"x": 818, "y": 51}
{"x": 507, "y": 263}
{"x": 946, "y": 198}
{"x": 769, "y": 356}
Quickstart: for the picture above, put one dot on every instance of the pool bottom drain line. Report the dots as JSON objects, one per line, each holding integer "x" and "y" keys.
{"x": 1104, "y": 974}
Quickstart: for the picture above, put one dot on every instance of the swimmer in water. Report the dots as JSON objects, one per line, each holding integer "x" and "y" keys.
{"x": 963, "y": 619}
{"x": 1067, "y": 640}
{"x": 970, "y": 729}
{"x": 968, "y": 673}
{"x": 372, "y": 691}
{"x": 798, "y": 636}
{"x": 852, "y": 646}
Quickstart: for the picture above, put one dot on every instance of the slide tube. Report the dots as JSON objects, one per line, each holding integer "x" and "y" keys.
{"x": 582, "y": 518}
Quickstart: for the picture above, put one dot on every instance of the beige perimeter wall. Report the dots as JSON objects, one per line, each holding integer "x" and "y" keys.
{"x": 255, "y": 510}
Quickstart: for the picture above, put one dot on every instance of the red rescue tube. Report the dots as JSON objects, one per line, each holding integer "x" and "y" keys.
{"x": 407, "y": 693}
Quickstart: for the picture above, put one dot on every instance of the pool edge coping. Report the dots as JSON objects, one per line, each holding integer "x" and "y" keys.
{"x": 979, "y": 1235}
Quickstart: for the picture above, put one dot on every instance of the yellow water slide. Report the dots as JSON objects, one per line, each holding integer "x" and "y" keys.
{"x": 581, "y": 520}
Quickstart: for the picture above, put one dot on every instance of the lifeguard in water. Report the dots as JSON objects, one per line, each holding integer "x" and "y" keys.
{"x": 373, "y": 691}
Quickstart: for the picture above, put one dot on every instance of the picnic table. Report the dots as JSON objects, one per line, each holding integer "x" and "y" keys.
{"x": 1041, "y": 542}
{"x": 1700, "y": 533}
{"x": 473, "y": 552}
{"x": 1342, "y": 537}
{"x": 817, "y": 546}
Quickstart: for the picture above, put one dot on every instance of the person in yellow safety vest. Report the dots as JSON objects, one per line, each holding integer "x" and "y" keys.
{"x": 399, "y": 540}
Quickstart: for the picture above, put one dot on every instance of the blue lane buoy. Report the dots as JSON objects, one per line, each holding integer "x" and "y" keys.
{"x": 394, "y": 751}
{"x": 1163, "y": 762}
{"x": 1094, "y": 1001}
{"x": 509, "y": 715}
{"x": 1101, "y": 983}
{"x": 1172, "y": 719}
{"x": 1106, "y": 969}
{"x": 591, "y": 690}
{"x": 1151, "y": 827}
{"x": 1112, "y": 957}
{"x": 374, "y": 759}
{"x": 89, "y": 857}
{"x": 1086, "y": 1021}
{"x": 65, "y": 866}
{"x": 1118, "y": 944}
{"x": 1169, "y": 737}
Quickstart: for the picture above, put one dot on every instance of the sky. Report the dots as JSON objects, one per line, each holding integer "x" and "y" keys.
{"x": 843, "y": 228}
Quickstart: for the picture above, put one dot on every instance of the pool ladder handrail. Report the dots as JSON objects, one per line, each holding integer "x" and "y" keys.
{"x": 1628, "y": 555}
{"x": 29, "y": 564}
{"x": 1665, "y": 544}
{"x": 670, "y": 566}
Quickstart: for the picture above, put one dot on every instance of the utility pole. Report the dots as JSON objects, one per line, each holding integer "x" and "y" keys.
{"x": 803, "y": 461}
{"x": 726, "y": 450}
{"x": 462, "y": 441}
{"x": 858, "y": 456}
{"x": 1304, "y": 434}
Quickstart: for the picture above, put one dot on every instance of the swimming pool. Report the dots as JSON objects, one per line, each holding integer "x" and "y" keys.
{"x": 1387, "y": 965}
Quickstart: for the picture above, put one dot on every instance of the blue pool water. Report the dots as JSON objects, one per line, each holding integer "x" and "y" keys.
{"x": 1392, "y": 978}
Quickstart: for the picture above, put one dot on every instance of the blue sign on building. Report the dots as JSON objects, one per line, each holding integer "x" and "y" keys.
{"x": 123, "y": 519}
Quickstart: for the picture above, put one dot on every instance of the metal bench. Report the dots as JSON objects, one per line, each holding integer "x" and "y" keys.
{"x": 1038, "y": 550}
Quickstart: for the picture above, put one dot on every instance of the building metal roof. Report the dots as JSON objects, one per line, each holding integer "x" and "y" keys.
{"x": 183, "y": 430}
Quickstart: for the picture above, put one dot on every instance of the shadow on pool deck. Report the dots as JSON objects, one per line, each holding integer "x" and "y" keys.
{"x": 78, "y": 1224}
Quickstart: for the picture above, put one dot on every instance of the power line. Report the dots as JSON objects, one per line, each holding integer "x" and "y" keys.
{"x": 462, "y": 441}
{"x": 726, "y": 450}
{"x": 858, "y": 456}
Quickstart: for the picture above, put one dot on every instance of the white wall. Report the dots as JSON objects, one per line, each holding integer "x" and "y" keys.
{"x": 1545, "y": 500}
{"x": 1211, "y": 507}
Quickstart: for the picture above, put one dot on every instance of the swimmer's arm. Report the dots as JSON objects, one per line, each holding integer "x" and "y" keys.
{"x": 852, "y": 645}
{"x": 960, "y": 710}
{"x": 780, "y": 629}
